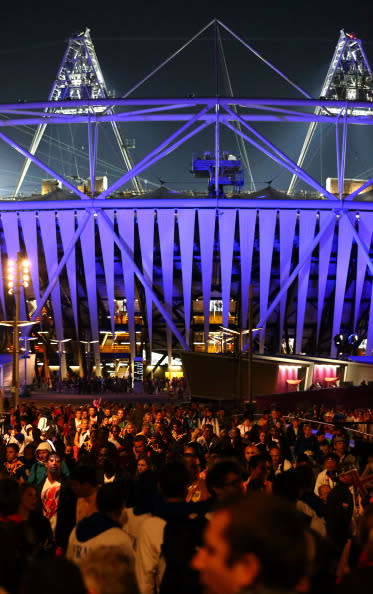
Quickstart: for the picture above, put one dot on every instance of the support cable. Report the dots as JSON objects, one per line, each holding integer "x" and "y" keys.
{"x": 239, "y": 140}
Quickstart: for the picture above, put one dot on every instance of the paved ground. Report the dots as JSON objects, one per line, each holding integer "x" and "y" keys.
{"x": 44, "y": 398}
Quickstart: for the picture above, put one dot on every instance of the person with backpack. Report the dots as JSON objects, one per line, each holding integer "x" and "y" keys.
{"x": 169, "y": 538}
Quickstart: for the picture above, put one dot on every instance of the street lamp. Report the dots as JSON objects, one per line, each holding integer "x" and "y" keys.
{"x": 18, "y": 276}
{"x": 219, "y": 340}
{"x": 60, "y": 352}
{"x": 43, "y": 347}
{"x": 241, "y": 333}
{"x": 26, "y": 340}
{"x": 87, "y": 349}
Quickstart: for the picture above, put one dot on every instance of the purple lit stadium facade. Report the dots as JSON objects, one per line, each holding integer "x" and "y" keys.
{"x": 166, "y": 270}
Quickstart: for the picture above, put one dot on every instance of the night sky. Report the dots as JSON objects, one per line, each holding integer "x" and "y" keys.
{"x": 132, "y": 38}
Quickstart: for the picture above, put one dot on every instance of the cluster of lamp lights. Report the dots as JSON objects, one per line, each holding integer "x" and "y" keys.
{"x": 18, "y": 274}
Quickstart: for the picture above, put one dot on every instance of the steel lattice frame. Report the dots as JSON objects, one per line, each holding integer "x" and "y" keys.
{"x": 327, "y": 227}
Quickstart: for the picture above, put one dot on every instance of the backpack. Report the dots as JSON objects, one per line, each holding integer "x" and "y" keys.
{"x": 181, "y": 537}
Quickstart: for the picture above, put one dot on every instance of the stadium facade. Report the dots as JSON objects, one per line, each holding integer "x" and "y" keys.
{"x": 131, "y": 274}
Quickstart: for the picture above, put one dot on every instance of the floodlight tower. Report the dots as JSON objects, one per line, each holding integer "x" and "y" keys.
{"x": 349, "y": 78}
{"x": 79, "y": 77}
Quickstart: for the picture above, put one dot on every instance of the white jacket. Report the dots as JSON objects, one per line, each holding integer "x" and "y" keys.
{"x": 150, "y": 564}
{"x": 80, "y": 545}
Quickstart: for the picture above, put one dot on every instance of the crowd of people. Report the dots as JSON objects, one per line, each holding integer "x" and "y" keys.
{"x": 75, "y": 384}
{"x": 158, "y": 499}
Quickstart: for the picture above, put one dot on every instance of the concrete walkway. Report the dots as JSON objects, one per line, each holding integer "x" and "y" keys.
{"x": 45, "y": 398}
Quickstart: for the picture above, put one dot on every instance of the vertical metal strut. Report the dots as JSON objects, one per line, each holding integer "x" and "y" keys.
{"x": 349, "y": 78}
{"x": 79, "y": 77}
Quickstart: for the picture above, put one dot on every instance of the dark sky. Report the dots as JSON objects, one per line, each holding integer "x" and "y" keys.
{"x": 25, "y": 22}
{"x": 131, "y": 38}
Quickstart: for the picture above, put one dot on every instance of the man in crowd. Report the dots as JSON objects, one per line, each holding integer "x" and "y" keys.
{"x": 102, "y": 464}
{"x": 13, "y": 467}
{"x": 58, "y": 501}
{"x": 208, "y": 439}
{"x": 83, "y": 480}
{"x": 307, "y": 444}
{"x": 327, "y": 475}
{"x": 279, "y": 464}
{"x": 38, "y": 469}
{"x": 340, "y": 510}
{"x": 342, "y": 451}
{"x": 109, "y": 570}
{"x": 238, "y": 555}
{"x": 101, "y": 528}
{"x": 225, "y": 480}
{"x": 164, "y": 545}
{"x": 209, "y": 419}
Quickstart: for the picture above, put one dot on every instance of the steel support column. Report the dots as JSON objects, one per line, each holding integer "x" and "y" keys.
{"x": 33, "y": 148}
{"x": 296, "y": 270}
{"x": 267, "y": 62}
{"x": 217, "y": 150}
{"x": 42, "y": 165}
{"x": 92, "y": 150}
{"x": 147, "y": 161}
{"x": 359, "y": 190}
{"x": 341, "y": 146}
{"x": 287, "y": 163}
{"x": 142, "y": 278}
{"x": 361, "y": 244}
{"x": 166, "y": 61}
{"x": 66, "y": 256}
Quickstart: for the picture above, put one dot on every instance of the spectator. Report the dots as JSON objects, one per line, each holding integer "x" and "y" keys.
{"x": 258, "y": 478}
{"x": 208, "y": 439}
{"x": 58, "y": 575}
{"x": 209, "y": 419}
{"x": 327, "y": 475}
{"x": 307, "y": 444}
{"x": 167, "y": 531}
{"x": 13, "y": 467}
{"x": 278, "y": 463}
{"x": 83, "y": 481}
{"x": 101, "y": 528}
{"x": 323, "y": 493}
{"x": 339, "y": 513}
{"x": 38, "y": 530}
{"x": 38, "y": 471}
{"x": 342, "y": 451}
{"x": 360, "y": 577}
{"x": 248, "y": 429}
{"x": 108, "y": 570}
{"x": 224, "y": 480}
{"x": 13, "y": 543}
{"x": 263, "y": 442}
{"x": 293, "y": 432}
{"x": 58, "y": 502}
{"x": 81, "y": 437}
{"x": 197, "y": 490}
{"x": 238, "y": 555}
{"x": 28, "y": 458}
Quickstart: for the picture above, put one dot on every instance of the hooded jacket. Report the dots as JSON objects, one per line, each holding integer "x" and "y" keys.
{"x": 38, "y": 470}
{"x": 95, "y": 531}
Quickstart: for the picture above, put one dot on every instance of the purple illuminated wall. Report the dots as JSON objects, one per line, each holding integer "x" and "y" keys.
{"x": 302, "y": 287}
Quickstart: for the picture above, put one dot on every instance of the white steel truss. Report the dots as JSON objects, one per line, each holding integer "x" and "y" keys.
{"x": 349, "y": 78}
{"x": 79, "y": 77}
{"x": 248, "y": 237}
